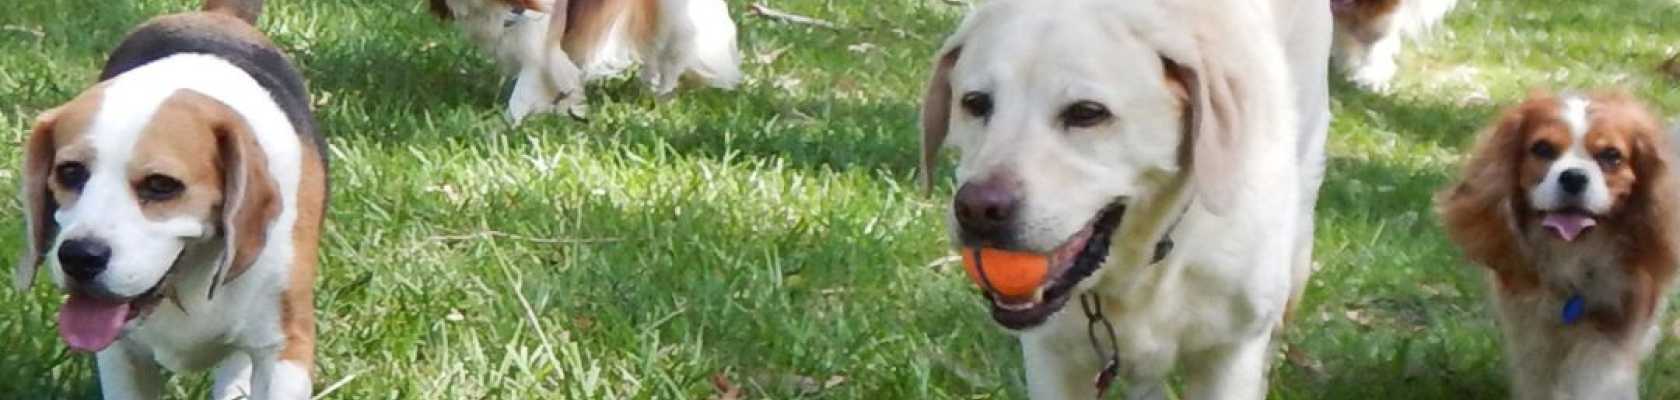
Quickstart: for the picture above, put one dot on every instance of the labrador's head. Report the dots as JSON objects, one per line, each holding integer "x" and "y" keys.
{"x": 1063, "y": 113}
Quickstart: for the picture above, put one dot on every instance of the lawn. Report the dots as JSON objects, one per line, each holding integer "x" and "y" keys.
{"x": 773, "y": 237}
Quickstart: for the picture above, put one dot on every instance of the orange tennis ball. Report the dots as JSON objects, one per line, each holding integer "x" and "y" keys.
{"x": 1011, "y": 274}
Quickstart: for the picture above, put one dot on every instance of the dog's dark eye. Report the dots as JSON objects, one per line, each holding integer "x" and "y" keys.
{"x": 1609, "y": 157}
{"x": 72, "y": 175}
{"x": 156, "y": 187}
{"x": 1085, "y": 114}
{"x": 977, "y": 104}
{"x": 1543, "y": 150}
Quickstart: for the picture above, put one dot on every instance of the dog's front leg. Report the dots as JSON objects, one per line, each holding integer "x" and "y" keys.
{"x": 128, "y": 372}
{"x": 1056, "y": 372}
{"x": 233, "y": 378}
{"x": 274, "y": 378}
{"x": 1232, "y": 371}
{"x": 1599, "y": 368}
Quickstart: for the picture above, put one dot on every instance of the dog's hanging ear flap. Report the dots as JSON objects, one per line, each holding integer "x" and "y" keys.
{"x": 1213, "y": 128}
{"x": 1476, "y": 210}
{"x": 936, "y": 113}
{"x": 440, "y": 9}
{"x": 38, "y": 203}
{"x": 250, "y": 200}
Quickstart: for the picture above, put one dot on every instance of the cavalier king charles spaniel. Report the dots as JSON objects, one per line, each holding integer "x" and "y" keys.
{"x": 1567, "y": 201}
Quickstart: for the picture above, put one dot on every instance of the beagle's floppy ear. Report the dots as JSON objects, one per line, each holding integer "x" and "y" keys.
{"x": 936, "y": 113}
{"x": 250, "y": 200}
{"x": 38, "y": 203}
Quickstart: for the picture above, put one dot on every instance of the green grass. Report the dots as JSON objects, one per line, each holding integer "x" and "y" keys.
{"x": 773, "y": 235}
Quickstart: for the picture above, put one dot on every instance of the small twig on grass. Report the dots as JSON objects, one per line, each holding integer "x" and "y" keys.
{"x": 334, "y": 387}
{"x": 939, "y": 263}
{"x": 762, "y": 10}
{"x": 24, "y": 29}
{"x": 488, "y": 234}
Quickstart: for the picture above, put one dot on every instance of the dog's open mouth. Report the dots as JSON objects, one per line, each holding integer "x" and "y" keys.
{"x": 1568, "y": 223}
{"x": 1076, "y": 259}
{"x": 90, "y": 322}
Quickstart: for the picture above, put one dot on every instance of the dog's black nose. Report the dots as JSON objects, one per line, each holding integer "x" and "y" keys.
{"x": 83, "y": 259}
{"x": 1573, "y": 180}
{"x": 986, "y": 208}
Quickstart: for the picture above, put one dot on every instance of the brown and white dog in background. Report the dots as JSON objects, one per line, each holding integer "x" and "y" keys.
{"x": 557, "y": 46}
{"x": 178, "y": 202}
{"x": 1568, "y": 201}
{"x": 1369, "y": 34}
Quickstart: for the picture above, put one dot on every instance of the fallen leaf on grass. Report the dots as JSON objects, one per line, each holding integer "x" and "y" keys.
{"x": 1671, "y": 68}
{"x": 726, "y": 390}
{"x": 1300, "y": 359}
{"x": 1358, "y": 317}
{"x": 833, "y": 381}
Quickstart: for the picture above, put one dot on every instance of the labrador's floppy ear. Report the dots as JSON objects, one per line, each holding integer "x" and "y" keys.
{"x": 936, "y": 113}
{"x": 38, "y": 203}
{"x": 250, "y": 199}
{"x": 1214, "y": 127}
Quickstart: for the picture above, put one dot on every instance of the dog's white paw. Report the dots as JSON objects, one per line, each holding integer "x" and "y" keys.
{"x": 1375, "y": 77}
{"x": 578, "y": 112}
{"x": 530, "y": 96}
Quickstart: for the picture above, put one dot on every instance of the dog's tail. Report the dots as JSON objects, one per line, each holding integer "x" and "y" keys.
{"x": 247, "y": 10}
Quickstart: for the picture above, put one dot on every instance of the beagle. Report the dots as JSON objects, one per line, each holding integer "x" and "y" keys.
{"x": 179, "y": 202}
{"x": 556, "y": 46}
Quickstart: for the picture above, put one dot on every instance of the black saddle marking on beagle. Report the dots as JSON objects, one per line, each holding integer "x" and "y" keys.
{"x": 199, "y": 34}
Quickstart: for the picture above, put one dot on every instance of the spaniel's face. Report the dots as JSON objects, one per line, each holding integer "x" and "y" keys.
{"x": 1578, "y": 160}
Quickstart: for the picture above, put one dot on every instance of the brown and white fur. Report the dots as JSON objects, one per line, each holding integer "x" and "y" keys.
{"x": 1566, "y": 196}
{"x": 178, "y": 202}
{"x": 555, "y": 47}
{"x": 1369, "y": 34}
{"x": 1088, "y": 130}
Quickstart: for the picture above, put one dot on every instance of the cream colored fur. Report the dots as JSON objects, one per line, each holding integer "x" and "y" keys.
{"x": 1243, "y": 248}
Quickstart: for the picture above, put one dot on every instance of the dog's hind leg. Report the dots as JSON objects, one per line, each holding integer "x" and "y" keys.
{"x": 531, "y": 95}
{"x": 128, "y": 373}
{"x": 714, "y": 56}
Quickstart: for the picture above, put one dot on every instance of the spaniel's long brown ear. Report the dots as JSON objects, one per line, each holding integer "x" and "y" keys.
{"x": 1477, "y": 210}
{"x": 1654, "y": 185}
{"x": 936, "y": 113}
{"x": 250, "y": 199}
{"x": 38, "y": 204}
{"x": 440, "y": 9}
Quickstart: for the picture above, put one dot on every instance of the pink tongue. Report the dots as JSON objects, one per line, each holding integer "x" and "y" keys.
{"x": 90, "y": 324}
{"x": 1568, "y": 226}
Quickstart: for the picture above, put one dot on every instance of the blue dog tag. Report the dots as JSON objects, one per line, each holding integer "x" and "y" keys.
{"x": 1573, "y": 309}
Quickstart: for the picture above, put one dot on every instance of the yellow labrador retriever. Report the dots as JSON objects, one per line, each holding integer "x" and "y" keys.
{"x": 1164, "y": 156}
